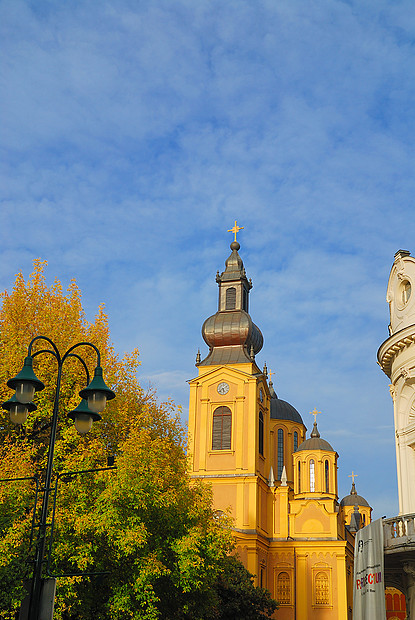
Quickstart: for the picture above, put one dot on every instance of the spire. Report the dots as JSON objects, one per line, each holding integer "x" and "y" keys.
{"x": 355, "y": 520}
{"x": 353, "y": 476}
{"x": 314, "y": 432}
{"x": 271, "y": 479}
{"x": 284, "y": 477}
{"x": 272, "y": 392}
{"x": 231, "y": 335}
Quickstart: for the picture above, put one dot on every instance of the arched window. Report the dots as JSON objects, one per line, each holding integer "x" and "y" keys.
{"x": 312, "y": 476}
{"x": 299, "y": 477}
{"x": 322, "y": 589}
{"x": 221, "y": 429}
{"x": 295, "y": 440}
{"x": 230, "y": 298}
{"x": 283, "y": 589}
{"x": 280, "y": 453}
{"x": 261, "y": 433}
{"x": 396, "y": 602}
{"x": 326, "y": 473}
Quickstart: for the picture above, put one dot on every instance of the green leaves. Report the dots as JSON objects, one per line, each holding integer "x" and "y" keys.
{"x": 146, "y": 526}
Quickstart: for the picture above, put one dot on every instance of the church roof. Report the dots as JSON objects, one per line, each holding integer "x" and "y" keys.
{"x": 315, "y": 442}
{"x": 281, "y": 410}
{"x": 353, "y": 499}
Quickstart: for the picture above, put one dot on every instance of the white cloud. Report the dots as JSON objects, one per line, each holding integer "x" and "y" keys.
{"x": 136, "y": 133}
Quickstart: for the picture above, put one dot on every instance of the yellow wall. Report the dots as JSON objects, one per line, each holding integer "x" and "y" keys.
{"x": 294, "y": 542}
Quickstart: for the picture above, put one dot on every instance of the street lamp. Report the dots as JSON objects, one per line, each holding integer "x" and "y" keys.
{"x": 94, "y": 399}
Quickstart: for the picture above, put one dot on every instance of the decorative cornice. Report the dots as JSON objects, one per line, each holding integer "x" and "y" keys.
{"x": 392, "y": 346}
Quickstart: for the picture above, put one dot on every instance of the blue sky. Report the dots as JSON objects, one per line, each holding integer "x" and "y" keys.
{"x": 134, "y": 134}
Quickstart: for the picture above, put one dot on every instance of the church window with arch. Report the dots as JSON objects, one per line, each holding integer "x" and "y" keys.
{"x": 312, "y": 476}
{"x": 283, "y": 588}
{"x": 322, "y": 589}
{"x": 261, "y": 433}
{"x": 295, "y": 440}
{"x": 230, "y": 298}
{"x": 222, "y": 429}
{"x": 327, "y": 476}
{"x": 299, "y": 477}
{"x": 280, "y": 453}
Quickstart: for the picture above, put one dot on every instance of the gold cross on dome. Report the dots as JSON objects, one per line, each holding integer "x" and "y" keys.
{"x": 270, "y": 375}
{"x": 235, "y": 229}
{"x": 315, "y": 414}
{"x": 352, "y": 476}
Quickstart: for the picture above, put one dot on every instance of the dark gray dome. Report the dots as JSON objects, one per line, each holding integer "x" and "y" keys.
{"x": 315, "y": 442}
{"x": 281, "y": 410}
{"x": 354, "y": 499}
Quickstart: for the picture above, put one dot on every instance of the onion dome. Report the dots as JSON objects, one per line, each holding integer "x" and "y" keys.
{"x": 354, "y": 499}
{"x": 280, "y": 409}
{"x": 231, "y": 334}
{"x": 315, "y": 442}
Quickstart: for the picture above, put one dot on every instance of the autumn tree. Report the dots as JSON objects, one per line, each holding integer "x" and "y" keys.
{"x": 144, "y": 529}
{"x": 144, "y": 524}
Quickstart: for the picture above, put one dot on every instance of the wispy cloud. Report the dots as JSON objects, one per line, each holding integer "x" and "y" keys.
{"x": 134, "y": 134}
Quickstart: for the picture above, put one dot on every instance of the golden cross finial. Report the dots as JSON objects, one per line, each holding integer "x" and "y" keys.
{"x": 235, "y": 229}
{"x": 352, "y": 476}
{"x": 315, "y": 414}
{"x": 270, "y": 375}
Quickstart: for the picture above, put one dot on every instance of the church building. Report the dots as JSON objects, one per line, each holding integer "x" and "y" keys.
{"x": 278, "y": 485}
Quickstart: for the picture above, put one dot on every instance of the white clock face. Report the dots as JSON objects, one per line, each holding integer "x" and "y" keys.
{"x": 223, "y": 388}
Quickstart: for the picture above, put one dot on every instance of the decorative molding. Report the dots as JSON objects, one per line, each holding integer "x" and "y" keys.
{"x": 389, "y": 349}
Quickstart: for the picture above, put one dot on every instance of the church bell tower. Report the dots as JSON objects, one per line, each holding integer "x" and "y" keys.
{"x": 229, "y": 407}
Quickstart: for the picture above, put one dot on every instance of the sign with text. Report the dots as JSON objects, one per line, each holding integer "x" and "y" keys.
{"x": 369, "y": 586}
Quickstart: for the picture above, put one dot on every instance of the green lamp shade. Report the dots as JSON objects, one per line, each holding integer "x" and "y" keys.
{"x": 97, "y": 393}
{"x": 26, "y": 383}
{"x": 83, "y": 417}
{"x": 18, "y": 411}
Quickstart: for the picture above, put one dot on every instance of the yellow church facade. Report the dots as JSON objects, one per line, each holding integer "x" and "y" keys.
{"x": 279, "y": 487}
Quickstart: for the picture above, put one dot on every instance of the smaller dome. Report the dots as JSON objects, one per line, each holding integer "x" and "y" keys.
{"x": 281, "y": 410}
{"x": 315, "y": 442}
{"x": 354, "y": 499}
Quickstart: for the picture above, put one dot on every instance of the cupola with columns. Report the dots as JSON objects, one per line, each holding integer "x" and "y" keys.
{"x": 315, "y": 466}
{"x": 349, "y": 503}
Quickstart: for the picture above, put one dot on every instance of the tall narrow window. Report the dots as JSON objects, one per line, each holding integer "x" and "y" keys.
{"x": 295, "y": 440}
{"x": 299, "y": 477}
{"x": 326, "y": 472}
{"x": 261, "y": 433}
{"x": 230, "y": 298}
{"x": 283, "y": 589}
{"x": 280, "y": 453}
{"x": 221, "y": 429}
{"x": 322, "y": 589}
{"x": 312, "y": 476}
{"x": 245, "y": 300}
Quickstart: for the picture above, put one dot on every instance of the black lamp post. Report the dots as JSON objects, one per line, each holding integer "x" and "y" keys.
{"x": 94, "y": 399}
